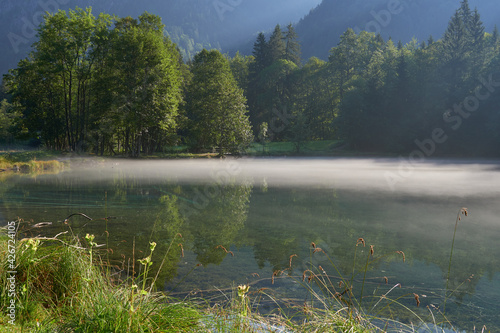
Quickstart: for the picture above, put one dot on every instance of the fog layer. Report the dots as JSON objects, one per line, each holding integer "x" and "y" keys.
{"x": 434, "y": 177}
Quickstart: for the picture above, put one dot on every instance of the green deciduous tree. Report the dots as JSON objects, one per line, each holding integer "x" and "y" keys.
{"x": 8, "y": 121}
{"x": 216, "y": 106}
{"x": 86, "y": 86}
{"x": 240, "y": 67}
{"x": 53, "y": 85}
{"x": 147, "y": 84}
{"x": 313, "y": 100}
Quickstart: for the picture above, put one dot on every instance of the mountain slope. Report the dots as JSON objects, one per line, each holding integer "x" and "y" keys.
{"x": 402, "y": 20}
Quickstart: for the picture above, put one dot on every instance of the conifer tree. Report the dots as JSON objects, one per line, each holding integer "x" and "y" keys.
{"x": 454, "y": 57}
{"x": 276, "y": 45}
{"x": 344, "y": 59}
{"x": 465, "y": 13}
{"x": 261, "y": 55}
{"x": 292, "y": 45}
{"x": 495, "y": 36}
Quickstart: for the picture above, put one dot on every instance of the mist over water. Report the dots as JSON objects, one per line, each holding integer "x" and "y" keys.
{"x": 433, "y": 177}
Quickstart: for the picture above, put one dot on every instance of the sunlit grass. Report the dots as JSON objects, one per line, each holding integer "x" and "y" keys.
{"x": 61, "y": 288}
{"x": 31, "y": 161}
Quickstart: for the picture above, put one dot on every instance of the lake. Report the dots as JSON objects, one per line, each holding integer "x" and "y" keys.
{"x": 243, "y": 220}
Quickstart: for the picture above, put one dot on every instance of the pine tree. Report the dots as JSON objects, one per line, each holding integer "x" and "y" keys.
{"x": 276, "y": 45}
{"x": 344, "y": 59}
{"x": 261, "y": 61}
{"x": 465, "y": 13}
{"x": 379, "y": 39}
{"x": 495, "y": 37}
{"x": 455, "y": 41}
{"x": 454, "y": 57}
{"x": 477, "y": 49}
{"x": 261, "y": 55}
{"x": 476, "y": 32}
{"x": 292, "y": 45}
{"x": 455, "y": 38}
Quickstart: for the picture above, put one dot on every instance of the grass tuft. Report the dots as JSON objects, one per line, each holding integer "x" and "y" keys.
{"x": 60, "y": 288}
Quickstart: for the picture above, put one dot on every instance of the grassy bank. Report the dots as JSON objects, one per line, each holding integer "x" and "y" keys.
{"x": 30, "y": 161}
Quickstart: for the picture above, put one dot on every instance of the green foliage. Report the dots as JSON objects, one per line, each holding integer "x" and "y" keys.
{"x": 292, "y": 45}
{"x": 260, "y": 53}
{"x": 240, "y": 68}
{"x": 9, "y": 119}
{"x": 312, "y": 103}
{"x": 388, "y": 97}
{"x": 276, "y": 46}
{"x": 216, "y": 106}
{"x": 86, "y": 86}
{"x": 147, "y": 85}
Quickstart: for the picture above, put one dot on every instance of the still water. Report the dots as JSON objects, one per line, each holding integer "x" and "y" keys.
{"x": 242, "y": 221}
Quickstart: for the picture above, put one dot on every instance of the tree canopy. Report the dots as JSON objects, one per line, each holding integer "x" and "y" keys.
{"x": 216, "y": 106}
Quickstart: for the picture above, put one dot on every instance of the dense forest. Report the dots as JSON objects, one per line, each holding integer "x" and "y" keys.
{"x": 119, "y": 85}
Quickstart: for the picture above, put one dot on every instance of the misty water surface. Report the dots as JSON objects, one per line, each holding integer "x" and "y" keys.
{"x": 262, "y": 211}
